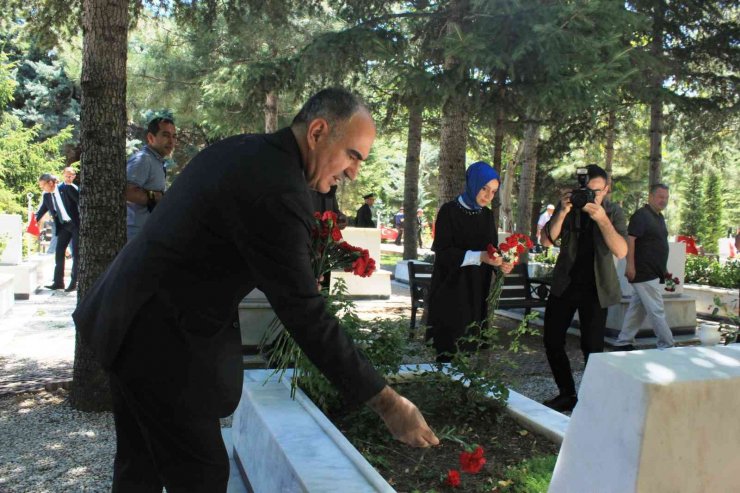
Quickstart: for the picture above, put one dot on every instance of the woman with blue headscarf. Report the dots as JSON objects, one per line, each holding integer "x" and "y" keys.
{"x": 462, "y": 268}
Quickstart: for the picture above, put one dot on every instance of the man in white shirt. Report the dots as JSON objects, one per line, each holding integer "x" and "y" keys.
{"x": 62, "y": 202}
{"x": 544, "y": 217}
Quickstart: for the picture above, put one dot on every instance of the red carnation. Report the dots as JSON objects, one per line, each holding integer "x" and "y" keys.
{"x": 329, "y": 216}
{"x": 453, "y": 478}
{"x": 491, "y": 250}
{"x": 336, "y": 235}
{"x": 472, "y": 462}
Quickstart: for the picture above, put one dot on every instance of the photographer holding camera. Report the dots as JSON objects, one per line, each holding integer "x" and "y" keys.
{"x": 590, "y": 231}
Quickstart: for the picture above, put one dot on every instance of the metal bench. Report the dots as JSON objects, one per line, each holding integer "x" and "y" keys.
{"x": 420, "y": 280}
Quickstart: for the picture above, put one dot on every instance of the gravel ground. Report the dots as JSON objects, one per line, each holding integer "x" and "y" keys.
{"x": 49, "y": 447}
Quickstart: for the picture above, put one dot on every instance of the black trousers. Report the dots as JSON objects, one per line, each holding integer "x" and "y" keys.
{"x": 558, "y": 316}
{"x": 66, "y": 234}
{"x": 159, "y": 443}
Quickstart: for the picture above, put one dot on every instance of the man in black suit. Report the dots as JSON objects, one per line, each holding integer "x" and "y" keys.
{"x": 161, "y": 318}
{"x": 365, "y": 212}
{"x": 62, "y": 202}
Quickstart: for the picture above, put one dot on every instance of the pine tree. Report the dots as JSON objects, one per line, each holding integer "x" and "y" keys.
{"x": 711, "y": 227}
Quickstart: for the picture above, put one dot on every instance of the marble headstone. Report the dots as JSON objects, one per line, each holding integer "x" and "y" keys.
{"x": 655, "y": 421}
{"x": 11, "y": 227}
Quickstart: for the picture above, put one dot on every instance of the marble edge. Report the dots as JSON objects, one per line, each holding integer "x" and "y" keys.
{"x": 531, "y": 414}
{"x": 363, "y": 467}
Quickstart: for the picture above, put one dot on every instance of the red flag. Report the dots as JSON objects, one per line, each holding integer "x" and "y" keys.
{"x": 33, "y": 226}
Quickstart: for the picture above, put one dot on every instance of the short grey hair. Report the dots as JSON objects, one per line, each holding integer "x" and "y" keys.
{"x": 334, "y": 104}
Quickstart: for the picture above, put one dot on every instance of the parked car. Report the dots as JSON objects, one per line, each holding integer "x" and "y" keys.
{"x": 388, "y": 234}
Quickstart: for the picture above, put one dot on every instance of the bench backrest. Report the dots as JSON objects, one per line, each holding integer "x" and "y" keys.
{"x": 516, "y": 284}
{"x": 417, "y": 271}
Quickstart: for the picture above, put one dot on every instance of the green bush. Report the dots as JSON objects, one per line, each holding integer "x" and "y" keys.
{"x": 531, "y": 476}
{"x": 548, "y": 258}
{"x": 384, "y": 342}
{"x": 708, "y": 271}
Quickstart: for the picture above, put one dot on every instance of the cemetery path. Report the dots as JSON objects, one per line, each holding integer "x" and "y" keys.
{"x": 37, "y": 342}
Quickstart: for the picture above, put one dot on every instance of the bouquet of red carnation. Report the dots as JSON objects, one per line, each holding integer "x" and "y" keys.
{"x": 670, "y": 282}
{"x": 330, "y": 252}
{"x": 509, "y": 251}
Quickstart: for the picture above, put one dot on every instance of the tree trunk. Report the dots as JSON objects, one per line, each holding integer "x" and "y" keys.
{"x": 411, "y": 181}
{"x": 656, "y": 103}
{"x": 527, "y": 178}
{"x": 103, "y": 177}
{"x": 506, "y": 192}
{"x": 611, "y": 133}
{"x": 271, "y": 112}
{"x": 498, "y": 139}
{"x": 454, "y": 125}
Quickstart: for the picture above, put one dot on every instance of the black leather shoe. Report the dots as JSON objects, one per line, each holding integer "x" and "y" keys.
{"x": 70, "y": 288}
{"x": 55, "y": 286}
{"x": 562, "y": 403}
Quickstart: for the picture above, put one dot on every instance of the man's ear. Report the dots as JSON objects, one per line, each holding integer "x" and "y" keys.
{"x": 317, "y": 129}
{"x": 149, "y": 138}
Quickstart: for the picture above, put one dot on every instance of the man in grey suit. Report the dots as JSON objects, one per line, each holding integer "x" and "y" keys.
{"x": 161, "y": 318}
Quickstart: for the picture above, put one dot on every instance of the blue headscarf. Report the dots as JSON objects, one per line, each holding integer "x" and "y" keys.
{"x": 477, "y": 177}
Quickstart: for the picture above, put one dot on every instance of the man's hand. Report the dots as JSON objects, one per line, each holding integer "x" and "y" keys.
{"x": 486, "y": 259}
{"x": 630, "y": 271}
{"x": 597, "y": 212}
{"x": 565, "y": 205}
{"x": 403, "y": 418}
{"x": 506, "y": 267}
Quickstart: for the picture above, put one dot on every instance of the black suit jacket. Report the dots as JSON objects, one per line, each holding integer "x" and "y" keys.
{"x": 365, "y": 217}
{"x": 70, "y": 200}
{"x": 238, "y": 217}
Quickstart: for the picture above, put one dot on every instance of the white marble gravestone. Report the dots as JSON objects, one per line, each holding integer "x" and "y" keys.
{"x": 378, "y": 285}
{"x": 11, "y": 226}
{"x": 655, "y": 421}
{"x": 286, "y": 445}
{"x": 680, "y": 308}
{"x": 676, "y": 266}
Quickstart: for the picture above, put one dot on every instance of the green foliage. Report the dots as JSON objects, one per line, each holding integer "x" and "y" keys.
{"x": 24, "y": 154}
{"x": 711, "y": 228}
{"x": 24, "y": 160}
{"x": 530, "y": 476}
{"x": 383, "y": 341}
{"x": 708, "y": 271}
{"x": 471, "y": 368}
{"x": 548, "y": 257}
{"x": 691, "y": 208}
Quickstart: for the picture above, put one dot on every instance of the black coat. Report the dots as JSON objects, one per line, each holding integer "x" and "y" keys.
{"x": 238, "y": 217}
{"x": 457, "y": 295}
{"x": 70, "y": 200}
{"x": 364, "y": 217}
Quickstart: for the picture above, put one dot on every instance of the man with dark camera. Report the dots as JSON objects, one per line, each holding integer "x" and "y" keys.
{"x": 590, "y": 231}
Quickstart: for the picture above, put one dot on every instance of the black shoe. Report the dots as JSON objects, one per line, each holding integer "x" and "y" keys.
{"x": 562, "y": 403}
{"x": 55, "y": 286}
{"x": 626, "y": 347}
{"x": 70, "y": 288}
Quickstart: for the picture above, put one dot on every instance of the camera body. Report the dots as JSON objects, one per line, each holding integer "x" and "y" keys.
{"x": 582, "y": 195}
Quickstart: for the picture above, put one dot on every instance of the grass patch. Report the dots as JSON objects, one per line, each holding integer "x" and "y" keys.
{"x": 531, "y": 476}
{"x": 390, "y": 258}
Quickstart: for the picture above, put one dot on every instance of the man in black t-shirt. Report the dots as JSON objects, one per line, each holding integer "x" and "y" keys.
{"x": 646, "y": 267}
